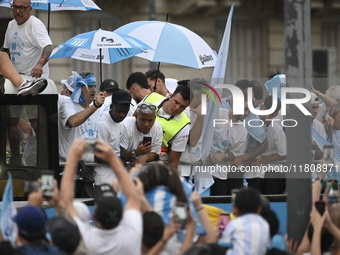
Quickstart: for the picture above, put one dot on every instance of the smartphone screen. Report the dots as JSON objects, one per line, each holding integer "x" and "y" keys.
{"x": 320, "y": 206}
{"x": 223, "y": 221}
{"x": 333, "y": 191}
{"x": 147, "y": 139}
{"x": 47, "y": 184}
{"x": 328, "y": 154}
{"x": 180, "y": 215}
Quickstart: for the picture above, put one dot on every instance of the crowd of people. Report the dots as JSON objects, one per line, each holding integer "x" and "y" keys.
{"x": 147, "y": 141}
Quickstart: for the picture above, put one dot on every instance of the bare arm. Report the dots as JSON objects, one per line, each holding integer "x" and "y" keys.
{"x": 174, "y": 157}
{"x": 196, "y": 131}
{"x": 37, "y": 69}
{"x": 80, "y": 117}
{"x": 105, "y": 152}
{"x": 326, "y": 99}
{"x": 187, "y": 242}
{"x": 211, "y": 236}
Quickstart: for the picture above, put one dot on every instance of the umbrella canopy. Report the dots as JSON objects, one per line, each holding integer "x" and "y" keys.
{"x": 172, "y": 44}
{"x": 57, "y": 5}
{"x": 100, "y": 46}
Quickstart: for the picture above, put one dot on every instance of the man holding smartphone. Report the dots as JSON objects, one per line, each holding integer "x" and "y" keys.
{"x": 142, "y": 136}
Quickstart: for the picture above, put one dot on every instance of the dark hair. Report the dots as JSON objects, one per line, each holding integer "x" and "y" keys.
{"x": 206, "y": 249}
{"x": 153, "y": 228}
{"x": 152, "y": 74}
{"x": 155, "y": 174}
{"x": 33, "y": 237}
{"x": 244, "y": 84}
{"x": 85, "y": 73}
{"x": 268, "y": 102}
{"x": 139, "y": 78}
{"x": 248, "y": 201}
{"x": 258, "y": 91}
{"x": 271, "y": 217}
{"x": 185, "y": 92}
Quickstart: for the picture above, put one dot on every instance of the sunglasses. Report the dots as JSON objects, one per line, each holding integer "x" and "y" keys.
{"x": 21, "y": 8}
{"x": 145, "y": 106}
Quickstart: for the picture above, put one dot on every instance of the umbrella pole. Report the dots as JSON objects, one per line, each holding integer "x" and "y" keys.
{"x": 48, "y": 18}
{"x": 155, "y": 87}
{"x": 100, "y": 65}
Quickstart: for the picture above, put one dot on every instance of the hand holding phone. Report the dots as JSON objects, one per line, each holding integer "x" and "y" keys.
{"x": 147, "y": 139}
{"x": 320, "y": 206}
{"x": 47, "y": 179}
{"x": 180, "y": 215}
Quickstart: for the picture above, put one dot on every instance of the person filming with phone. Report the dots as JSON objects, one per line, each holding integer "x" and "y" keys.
{"x": 142, "y": 136}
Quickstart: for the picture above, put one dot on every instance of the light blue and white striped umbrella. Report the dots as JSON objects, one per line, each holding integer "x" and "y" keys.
{"x": 86, "y": 46}
{"x": 172, "y": 44}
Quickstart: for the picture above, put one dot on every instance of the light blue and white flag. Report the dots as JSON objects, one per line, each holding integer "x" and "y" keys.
{"x": 255, "y": 129}
{"x": 278, "y": 81}
{"x": 8, "y": 211}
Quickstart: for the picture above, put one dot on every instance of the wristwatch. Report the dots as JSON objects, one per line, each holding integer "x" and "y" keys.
{"x": 133, "y": 154}
{"x": 226, "y": 156}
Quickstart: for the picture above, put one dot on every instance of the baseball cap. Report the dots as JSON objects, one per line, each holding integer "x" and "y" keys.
{"x": 108, "y": 208}
{"x": 314, "y": 99}
{"x": 109, "y": 84}
{"x": 69, "y": 83}
{"x": 65, "y": 234}
{"x": 30, "y": 219}
{"x": 121, "y": 97}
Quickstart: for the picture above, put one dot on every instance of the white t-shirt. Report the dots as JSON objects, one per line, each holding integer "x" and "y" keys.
{"x": 125, "y": 239}
{"x": 191, "y": 155}
{"x": 132, "y": 137}
{"x": 26, "y": 43}
{"x": 110, "y": 132}
{"x": 277, "y": 144}
{"x": 228, "y": 138}
{"x": 88, "y": 130}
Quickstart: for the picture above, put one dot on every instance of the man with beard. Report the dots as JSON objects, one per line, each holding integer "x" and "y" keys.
{"x": 135, "y": 147}
{"x": 137, "y": 85}
{"x": 110, "y": 130}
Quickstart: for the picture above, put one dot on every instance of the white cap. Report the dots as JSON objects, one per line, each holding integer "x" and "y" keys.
{"x": 82, "y": 210}
{"x": 171, "y": 84}
{"x": 69, "y": 83}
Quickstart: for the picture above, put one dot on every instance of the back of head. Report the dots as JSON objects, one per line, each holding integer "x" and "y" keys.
{"x": 185, "y": 92}
{"x": 183, "y": 82}
{"x": 65, "y": 235}
{"x": 138, "y": 78}
{"x": 334, "y": 92}
{"x": 109, "y": 85}
{"x": 206, "y": 249}
{"x": 248, "y": 201}
{"x": 156, "y": 174}
{"x": 31, "y": 223}
{"x": 271, "y": 217}
{"x": 153, "y": 228}
{"x": 152, "y": 75}
{"x": 108, "y": 210}
{"x": 258, "y": 90}
{"x": 244, "y": 85}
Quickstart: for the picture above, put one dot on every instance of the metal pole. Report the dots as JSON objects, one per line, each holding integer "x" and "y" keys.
{"x": 152, "y": 16}
{"x": 299, "y": 73}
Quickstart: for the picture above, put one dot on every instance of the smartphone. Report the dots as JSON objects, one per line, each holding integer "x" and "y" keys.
{"x": 147, "y": 139}
{"x": 47, "y": 179}
{"x": 90, "y": 147}
{"x": 328, "y": 155}
{"x": 223, "y": 221}
{"x": 320, "y": 206}
{"x": 233, "y": 195}
{"x": 180, "y": 215}
{"x": 333, "y": 191}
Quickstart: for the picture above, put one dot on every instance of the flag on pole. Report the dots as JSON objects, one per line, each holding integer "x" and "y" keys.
{"x": 8, "y": 211}
{"x": 202, "y": 181}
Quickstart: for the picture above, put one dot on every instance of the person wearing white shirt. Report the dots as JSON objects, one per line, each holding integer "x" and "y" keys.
{"x": 277, "y": 150}
{"x": 110, "y": 130}
{"x": 229, "y": 142}
{"x": 134, "y": 145}
{"x": 116, "y": 230}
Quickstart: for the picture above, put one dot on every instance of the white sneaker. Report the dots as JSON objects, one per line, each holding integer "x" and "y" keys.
{"x": 33, "y": 87}
{"x": 2, "y": 84}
